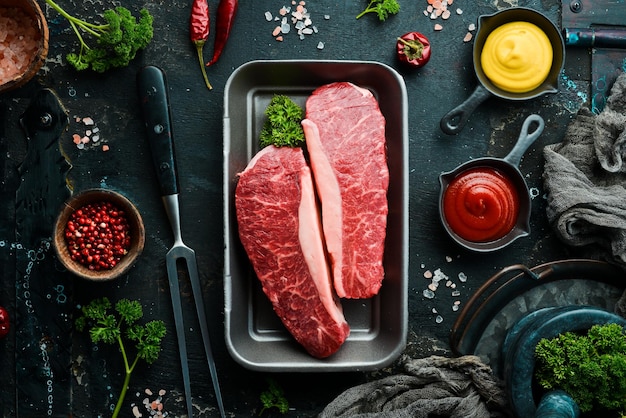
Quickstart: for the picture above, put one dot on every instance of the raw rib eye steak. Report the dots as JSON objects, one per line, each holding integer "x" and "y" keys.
{"x": 280, "y": 229}
{"x": 345, "y": 136}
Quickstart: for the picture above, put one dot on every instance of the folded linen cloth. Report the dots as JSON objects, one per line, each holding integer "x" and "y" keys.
{"x": 460, "y": 387}
{"x": 585, "y": 180}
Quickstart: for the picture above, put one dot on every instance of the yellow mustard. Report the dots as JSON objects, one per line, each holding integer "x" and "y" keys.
{"x": 517, "y": 57}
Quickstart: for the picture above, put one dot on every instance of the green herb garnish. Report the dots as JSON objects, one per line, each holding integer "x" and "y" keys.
{"x": 118, "y": 40}
{"x": 590, "y": 368}
{"x": 274, "y": 397}
{"x": 120, "y": 326}
{"x": 382, "y": 8}
{"x": 282, "y": 127}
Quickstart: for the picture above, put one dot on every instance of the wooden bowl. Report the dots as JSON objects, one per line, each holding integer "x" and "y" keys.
{"x": 136, "y": 230}
{"x": 31, "y": 8}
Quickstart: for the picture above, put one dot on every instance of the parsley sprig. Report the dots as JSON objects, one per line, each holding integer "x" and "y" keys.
{"x": 119, "y": 325}
{"x": 117, "y": 40}
{"x": 382, "y": 8}
{"x": 282, "y": 127}
{"x": 274, "y": 397}
{"x": 590, "y": 368}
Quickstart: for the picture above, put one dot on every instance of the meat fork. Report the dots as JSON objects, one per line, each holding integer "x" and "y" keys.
{"x": 152, "y": 89}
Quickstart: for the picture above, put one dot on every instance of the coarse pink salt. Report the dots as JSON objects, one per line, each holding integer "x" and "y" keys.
{"x": 19, "y": 42}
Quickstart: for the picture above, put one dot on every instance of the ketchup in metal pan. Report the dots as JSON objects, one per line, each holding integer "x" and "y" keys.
{"x": 481, "y": 204}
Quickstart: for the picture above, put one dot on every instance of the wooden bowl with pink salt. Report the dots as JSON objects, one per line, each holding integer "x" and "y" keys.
{"x": 23, "y": 42}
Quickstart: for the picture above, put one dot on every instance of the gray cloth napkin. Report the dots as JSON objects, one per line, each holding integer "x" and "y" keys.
{"x": 460, "y": 387}
{"x": 585, "y": 180}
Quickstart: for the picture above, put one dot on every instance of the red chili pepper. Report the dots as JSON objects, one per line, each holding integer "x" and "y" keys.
{"x": 226, "y": 11}
{"x": 199, "y": 30}
{"x": 5, "y": 324}
{"x": 413, "y": 48}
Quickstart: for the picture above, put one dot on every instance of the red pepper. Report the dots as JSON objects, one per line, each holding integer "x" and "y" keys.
{"x": 413, "y": 48}
{"x": 199, "y": 31}
{"x": 5, "y": 325}
{"x": 226, "y": 11}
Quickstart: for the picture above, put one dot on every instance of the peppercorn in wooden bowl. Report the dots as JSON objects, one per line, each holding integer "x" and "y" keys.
{"x": 99, "y": 234}
{"x": 23, "y": 42}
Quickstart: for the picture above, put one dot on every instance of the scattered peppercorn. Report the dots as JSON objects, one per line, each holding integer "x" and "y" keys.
{"x": 5, "y": 324}
{"x": 98, "y": 235}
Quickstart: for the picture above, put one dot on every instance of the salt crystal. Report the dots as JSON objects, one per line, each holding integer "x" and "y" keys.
{"x": 455, "y": 308}
{"x": 276, "y": 31}
{"x": 434, "y": 310}
{"x": 105, "y": 148}
{"x": 468, "y": 37}
{"x": 95, "y": 138}
{"x": 279, "y": 38}
{"x": 428, "y": 294}
{"x": 456, "y": 293}
{"x": 88, "y": 132}
{"x": 148, "y": 392}
{"x": 459, "y": 11}
{"x": 136, "y": 412}
{"x": 471, "y": 27}
{"x": 448, "y": 259}
{"x": 433, "y": 286}
{"x": 326, "y": 17}
{"x": 162, "y": 392}
{"x": 428, "y": 274}
{"x": 95, "y": 129}
{"x": 439, "y": 319}
{"x": 320, "y": 45}
{"x": 88, "y": 121}
{"x": 462, "y": 277}
{"x": 438, "y": 27}
{"x": 268, "y": 16}
{"x": 285, "y": 28}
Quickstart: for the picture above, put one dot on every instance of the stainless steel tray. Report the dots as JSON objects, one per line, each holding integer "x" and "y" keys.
{"x": 255, "y": 337}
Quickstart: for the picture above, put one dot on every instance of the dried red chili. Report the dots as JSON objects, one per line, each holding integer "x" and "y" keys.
{"x": 199, "y": 26}
{"x": 226, "y": 11}
{"x": 98, "y": 235}
{"x": 413, "y": 48}
{"x": 5, "y": 323}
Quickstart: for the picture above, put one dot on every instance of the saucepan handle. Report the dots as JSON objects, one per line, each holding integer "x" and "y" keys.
{"x": 453, "y": 122}
{"x": 525, "y": 140}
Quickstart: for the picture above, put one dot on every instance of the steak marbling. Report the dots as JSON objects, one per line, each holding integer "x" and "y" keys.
{"x": 280, "y": 229}
{"x": 345, "y": 136}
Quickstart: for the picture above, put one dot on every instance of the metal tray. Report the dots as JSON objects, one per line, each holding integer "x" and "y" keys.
{"x": 255, "y": 337}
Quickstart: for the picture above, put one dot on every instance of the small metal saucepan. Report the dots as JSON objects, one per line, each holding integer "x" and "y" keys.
{"x": 507, "y": 167}
{"x": 454, "y": 121}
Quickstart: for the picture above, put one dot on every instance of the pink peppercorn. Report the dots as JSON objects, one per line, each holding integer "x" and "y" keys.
{"x": 98, "y": 235}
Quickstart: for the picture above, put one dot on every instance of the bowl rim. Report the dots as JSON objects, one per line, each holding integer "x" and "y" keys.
{"x": 136, "y": 224}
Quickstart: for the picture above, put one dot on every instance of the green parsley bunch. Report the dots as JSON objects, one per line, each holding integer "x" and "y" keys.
{"x": 283, "y": 126}
{"x": 117, "y": 40}
{"x": 119, "y": 326}
{"x": 382, "y": 8}
{"x": 590, "y": 368}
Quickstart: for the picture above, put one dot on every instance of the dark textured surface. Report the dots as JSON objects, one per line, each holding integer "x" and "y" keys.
{"x": 110, "y": 99}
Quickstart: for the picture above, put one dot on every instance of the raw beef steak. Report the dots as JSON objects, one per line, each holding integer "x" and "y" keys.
{"x": 345, "y": 136}
{"x": 279, "y": 227}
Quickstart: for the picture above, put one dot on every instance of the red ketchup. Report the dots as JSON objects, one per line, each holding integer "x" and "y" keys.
{"x": 481, "y": 204}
